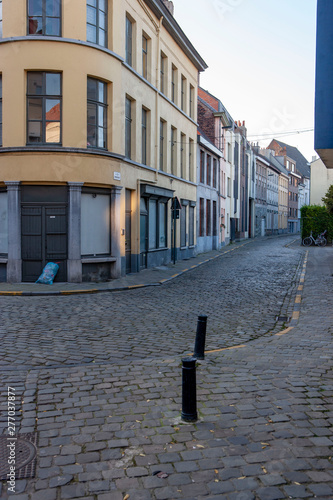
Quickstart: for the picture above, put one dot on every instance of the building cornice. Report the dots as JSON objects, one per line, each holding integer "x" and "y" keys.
{"x": 173, "y": 28}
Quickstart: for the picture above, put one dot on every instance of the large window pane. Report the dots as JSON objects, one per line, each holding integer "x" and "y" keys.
{"x": 96, "y": 114}
{"x": 97, "y": 22}
{"x": 44, "y": 112}
{"x": 3, "y": 223}
{"x": 44, "y": 17}
{"x": 95, "y": 224}
{"x": 128, "y": 42}
{"x": 152, "y": 223}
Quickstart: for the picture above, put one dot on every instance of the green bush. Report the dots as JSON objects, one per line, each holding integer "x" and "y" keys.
{"x": 316, "y": 219}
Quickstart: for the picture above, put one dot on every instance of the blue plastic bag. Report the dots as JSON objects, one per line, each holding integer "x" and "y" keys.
{"x": 48, "y": 274}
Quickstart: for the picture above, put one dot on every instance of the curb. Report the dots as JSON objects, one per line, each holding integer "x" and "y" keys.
{"x": 124, "y": 288}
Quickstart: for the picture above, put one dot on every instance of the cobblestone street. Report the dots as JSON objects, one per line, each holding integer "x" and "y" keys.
{"x": 98, "y": 379}
{"x": 241, "y": 292}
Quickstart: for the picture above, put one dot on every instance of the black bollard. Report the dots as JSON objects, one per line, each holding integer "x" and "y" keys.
{"x": 189, "y": 391}
{"x": 200, "y": 339}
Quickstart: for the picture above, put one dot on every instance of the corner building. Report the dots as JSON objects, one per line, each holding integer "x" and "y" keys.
{"x": 97, "y": 135}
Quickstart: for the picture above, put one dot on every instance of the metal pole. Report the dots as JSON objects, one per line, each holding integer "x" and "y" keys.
{"x": 189, "y": 391}
{"x": 200, "y": 339}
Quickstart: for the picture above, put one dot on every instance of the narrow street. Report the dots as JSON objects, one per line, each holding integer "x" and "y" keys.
{"x": 97, "y": 383}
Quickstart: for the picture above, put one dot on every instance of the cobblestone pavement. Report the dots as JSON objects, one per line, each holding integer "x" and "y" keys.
{"x": 265, "y": 408}
{"x": 242, "y": 293}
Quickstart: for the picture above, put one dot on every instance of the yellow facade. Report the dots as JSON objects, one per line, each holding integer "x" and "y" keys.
{"x": 72, "y": 162}
{"x": 283, "y": 202}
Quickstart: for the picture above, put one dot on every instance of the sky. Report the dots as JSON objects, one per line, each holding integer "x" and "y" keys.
{"x": 261, "y": 63}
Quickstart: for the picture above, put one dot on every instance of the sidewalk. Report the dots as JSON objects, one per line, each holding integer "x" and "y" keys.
{"x": 148, "y": 277}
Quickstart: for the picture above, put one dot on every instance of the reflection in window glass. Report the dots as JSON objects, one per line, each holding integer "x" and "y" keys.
{"x": 97, "y": 22}
{"x": 44, "y": 17}
{"x": 44, "y": 108}
{"x": 152, "y": 223}
{"x": 96, "y": 114}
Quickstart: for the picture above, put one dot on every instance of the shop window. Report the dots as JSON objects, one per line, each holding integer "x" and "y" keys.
{"x": 44, "y": 108}
{"x": 191, "y": 226}
{"x": 183, "y": 224}
{"x": 44, "y": 17}
{"x": 97, "y": 22}
{"x": 157, "y": 224}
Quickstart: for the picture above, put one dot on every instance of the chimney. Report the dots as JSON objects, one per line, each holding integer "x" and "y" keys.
{"x": 169, "y": 5}
{"x": 314, "y": 158}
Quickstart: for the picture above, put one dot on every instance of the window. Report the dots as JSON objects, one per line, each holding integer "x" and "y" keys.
{"x": 44, "y": 17}
{"x": 44, "y": 108}
{"x": 0, "y": 18}
{"x": 129, "y": 42}
{"x": 228, "y": 186}
{"x": 128, "y": 128}
{"x": 144, "y": 137}
{"x": 182, "y": 156}
{"x": 209, "y": 170}
{"x": 202, "y": 167}
{"x": 173, "y": 83}
{"x": 157, "y": 224}
{"x": 144, "y": 57}
{"x": 162, "y": 132}
{"x": 173, "y": 150}
{"x": 214, "y": 172}
{"x": 191, "y": 226}
{"x": 214, "y": 218}
{"x": 183, "y": 93}
{"x": 4, "y": 223}
{"x": 229, "y": 153}
{"x": 191, "y": 101}
{"x": 96, "y": 113}
{"x": 202, "y": 217}
{"x": 95, "y": 223}
{"x": 97, "y": 22}
{"x": 190, "y": 160}
{"x": 163, "y": 72}
{"x": 183, "y": 228}
{"x": 208, "y": 218}
{"x": 0, "y": 110}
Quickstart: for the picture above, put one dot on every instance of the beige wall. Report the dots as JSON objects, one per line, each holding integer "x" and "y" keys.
{"x": 76, "y": 60}
{"x": 283, "y": 201}
{"x": 321, "y": 179}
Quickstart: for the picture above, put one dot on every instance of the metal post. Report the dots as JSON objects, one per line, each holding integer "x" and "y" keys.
{"x": 200, "y": 339}
{"x": 189, "y": 391}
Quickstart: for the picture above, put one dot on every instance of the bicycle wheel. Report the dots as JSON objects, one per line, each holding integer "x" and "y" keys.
{"x": 307, "y": 242}
{"x": 322, "y": 242}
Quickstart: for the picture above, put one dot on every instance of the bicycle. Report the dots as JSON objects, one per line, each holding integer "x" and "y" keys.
{"x": 320, "y": 240}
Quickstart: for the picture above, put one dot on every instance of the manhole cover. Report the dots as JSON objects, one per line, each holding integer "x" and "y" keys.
{"x": 20, "y": 453}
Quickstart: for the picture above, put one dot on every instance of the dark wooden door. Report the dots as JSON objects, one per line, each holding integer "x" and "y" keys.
{"x": 44, "y": 239}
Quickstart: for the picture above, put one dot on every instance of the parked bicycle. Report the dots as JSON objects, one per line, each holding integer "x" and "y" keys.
{"x": 321, "y": 241}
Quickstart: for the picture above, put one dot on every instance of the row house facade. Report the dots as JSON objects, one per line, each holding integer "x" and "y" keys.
{"x": 299, "y": 180}
{"x": 104, "y": 137}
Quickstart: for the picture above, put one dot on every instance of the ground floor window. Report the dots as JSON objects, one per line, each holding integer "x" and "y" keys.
{"x": 183, "y": 224}
{"x": 191, "y": 225}
{"x": 3, "y": 223}
{"x": 156, "y": 211}
{"x": 95, "y": 223}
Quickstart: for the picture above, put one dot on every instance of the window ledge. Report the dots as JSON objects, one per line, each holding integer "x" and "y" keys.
{"x": 3, "y": 260}
{"x": 94, "y": 260}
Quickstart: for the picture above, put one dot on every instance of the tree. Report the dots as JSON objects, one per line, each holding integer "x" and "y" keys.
{"x": 328, "y": 200}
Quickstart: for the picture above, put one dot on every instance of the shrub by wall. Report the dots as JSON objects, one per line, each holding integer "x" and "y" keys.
{"x": 316, "y": 219}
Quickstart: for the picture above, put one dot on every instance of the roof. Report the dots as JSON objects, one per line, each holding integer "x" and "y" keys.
{"x": 171, "y": 25}
{"x": 274, "y": 161}
{"x": 207, "y": 143}
{"x": 213, "y": 103}
{"x": 302, "y": 164}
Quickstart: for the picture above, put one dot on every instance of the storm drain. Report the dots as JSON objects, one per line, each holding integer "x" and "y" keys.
{"x": 284, "y": 319}
{"x": 18, "y": 454}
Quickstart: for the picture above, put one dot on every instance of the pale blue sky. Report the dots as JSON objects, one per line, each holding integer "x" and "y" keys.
{"x": 261, "y": 62}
